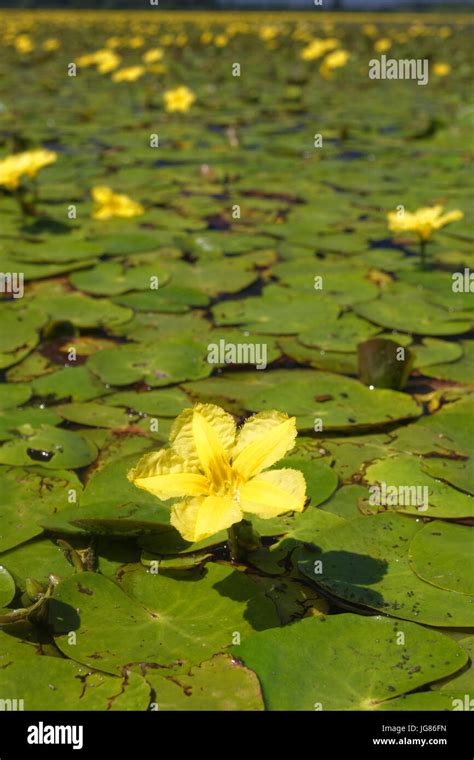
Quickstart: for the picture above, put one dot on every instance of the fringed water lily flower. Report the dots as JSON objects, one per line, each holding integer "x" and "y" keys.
{"x": 423, "y": 222}
{"x": 180, "y": 99}
{"x": 14, "y": 167}
{"x": 222, "y": 473}
{"x": 109, "y": 204}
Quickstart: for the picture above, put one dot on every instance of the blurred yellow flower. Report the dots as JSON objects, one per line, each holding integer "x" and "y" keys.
{"x": 423, "y": 222}
{"x": 441, "y": 69}
{"x": 153, "y": 55}
{"x": 136, "y": 42}
{"x": 109, "y": 204}
{"x": 318, "y": 48}
{"x": 206, "y": 38}
{"x": 50, "y": 45}
{"x": 130, "y": 74}
{"x": 105, "y": 60}
{"x": 24, "y": 44}
{"x": 268, "y": 33}
{"x": 382, "y": 45}
{"x": 221, "y": 40}
{"x": 223, "y": 473}
{"x": 334, "y": 60}
{"x": 370, "y": 30}
{"x": 13, "y": 167}
{"x": 180, "y": 99}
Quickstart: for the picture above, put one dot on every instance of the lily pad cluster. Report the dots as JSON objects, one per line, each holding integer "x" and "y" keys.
{"x": 257, "y": 263}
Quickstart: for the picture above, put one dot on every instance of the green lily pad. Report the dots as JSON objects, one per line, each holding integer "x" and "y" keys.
{"x": 30, "y": 495}
{"x": 51, "y": 683}
{"x": 460, "y": 371}
{"x": 217, "y": 684}
{"x": 409, "y": 313}
{"x": 340, "y": 403}
{"x": 441, "y": 554}
{"x": 174, "y": 362}
{"x": 166, "y": 402}
{"x": 342, "y": 334}
{"x": 53, "y": 448}
{"x": 59, "y": 249}
{"x": 95, "y": 414}
{"x": 108, "y": 278}
{"x": 76, "y": 383}
{"x": 441, "y": 499}
{"x": 12, "y": 395}
{"x": 7, "y": 586}
{"x": 14, "y": 420}
{"x": 346, "y": 662}
{"x": 156, "y": 618}
{"x": 277, "y": 311}
{"x": 365, "y": 562}
{"x": 36, "y": 559}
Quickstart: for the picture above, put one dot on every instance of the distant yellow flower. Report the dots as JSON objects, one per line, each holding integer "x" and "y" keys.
{"x": 24, "y": 44}
{"x": 422, "y": 222}
{"x": 268, "y": 33}
{"x": 130, "y": 74}
{"x": 180, "y": 99}
{"x": 181, "y": 39}
{"x": 382, "y": 45}
{"x": 221, "y": 40}
{"x": 105, "y": 60}
{"x": 109, "y": 204}
{"x": 220, "y": 472}
{"x": 113, "y": 42}
{"x": 206, "y": 38}
{"x": 136, "y": 42}
{"x": 370, "y": 30}
{"x": 318, "y": 48}
{"x": 445, "y": 32}
{"x": 334, "y": 60}
{"x": 153, "y": 55}
{"x": 12, "y": 168}
{"x": 50, "y": 44}
{"x": 441, "y": 69}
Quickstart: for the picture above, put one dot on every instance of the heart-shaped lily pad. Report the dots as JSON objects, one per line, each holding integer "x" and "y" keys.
{"x": 165, "y": 364}
{"x": 157, "y": 619}
{"x": 53, "y": 448}
{"x": 365, "y": 562}
{"x": 52, "y": 683}
{"x": 421, "y": 493}
{"x": 221, "y": 683}
{"x": 441, "y": 554}
{"x": 30, "y": 495}
{"x": 346, "y": 662}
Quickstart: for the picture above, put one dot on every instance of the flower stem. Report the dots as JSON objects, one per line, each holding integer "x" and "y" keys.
{"x": 423, "y": 253}
{"x": 242, "y": 538}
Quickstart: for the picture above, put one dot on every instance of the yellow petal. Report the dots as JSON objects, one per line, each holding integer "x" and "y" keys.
{"x": 212, "y": 455}
{"x": 182, "y": 436}
{"x": 101, "y": 194}
{"x": 263, "y": 440}
{"x": 200, "y": 518}
{"x": 165, "y": 475}
{"x": 273, "y": 493}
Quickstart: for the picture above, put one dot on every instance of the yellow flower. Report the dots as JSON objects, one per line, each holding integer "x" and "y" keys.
{"x": 29, "y": 162}
{"x": 268, "y": 33}
{"x": 442, "y": 69}
{"x": 318, "y": 48}
{"x": 24, "y": 44}
{"x": 136, "y": 42}
{"x": 206, "y": 38}
{"x": 382, "y": 45}
{"x": 153, "y": 55}
{"x": 221, "y": 40}
{"x": 334, "y": 60}
{"x": 180, "y": 99}
{"x": 220, "y": 473}
{"x": 370, "y": 30}
{"x": 422, "y": 222}
{"x": 50, "y": 44}
{"x": 105, "y": 60}
{"x": 130, "y": 74}
{"x": 109, "y": 204}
